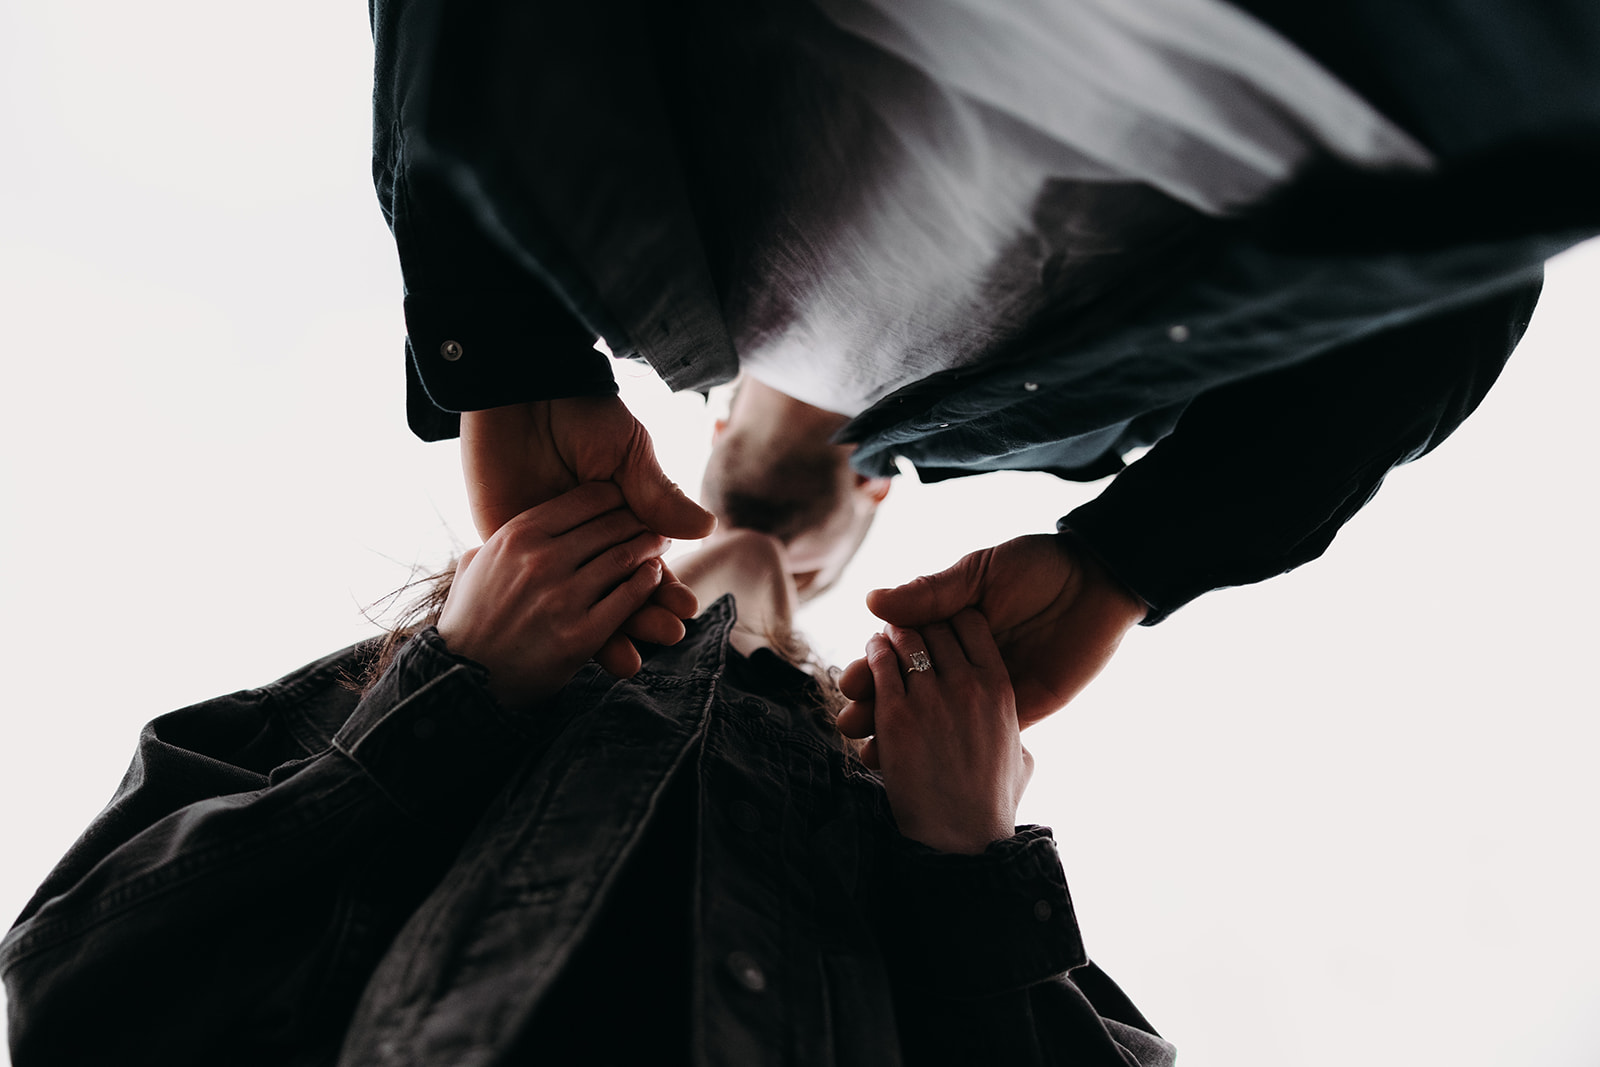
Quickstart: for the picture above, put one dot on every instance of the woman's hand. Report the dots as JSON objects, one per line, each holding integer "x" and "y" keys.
{"x": 517, "y": 457}
{"x": 549, "y": 589}
{"x": 946, "y": 739}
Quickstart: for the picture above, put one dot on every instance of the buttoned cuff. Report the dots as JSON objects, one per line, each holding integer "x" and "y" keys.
{"x": 974, "y": 926}
{"x": 468, "y": 351}
{"x": 429, "y": 734}
{"x": 1126, "y": 542}
{"x": 1082, "y": 546}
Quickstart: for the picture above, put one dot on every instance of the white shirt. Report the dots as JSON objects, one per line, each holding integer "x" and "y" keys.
{"x": 969, "y": 135}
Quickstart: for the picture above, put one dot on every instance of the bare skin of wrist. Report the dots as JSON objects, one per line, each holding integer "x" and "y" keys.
{"x": 958, "y": 841}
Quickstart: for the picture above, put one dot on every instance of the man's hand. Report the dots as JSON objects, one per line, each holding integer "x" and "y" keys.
{"x": 1056, "y": 616}
{"x": 522, "y": 455}
{"x": 519, "y": 456}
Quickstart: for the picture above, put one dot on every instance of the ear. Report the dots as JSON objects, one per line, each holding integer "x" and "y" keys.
{"x": 874, "y": 489}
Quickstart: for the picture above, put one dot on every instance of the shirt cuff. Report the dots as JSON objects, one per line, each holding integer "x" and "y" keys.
{"x": 974, "y": 926}
{"x": 429, "y": 734}
{"x": 472, "y": 351}
{"x": 1086, "y": 550}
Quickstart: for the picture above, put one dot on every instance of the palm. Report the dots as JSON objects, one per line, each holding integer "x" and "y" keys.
{"x": 1027, "y": 589}
{"x": 520, "y": 456}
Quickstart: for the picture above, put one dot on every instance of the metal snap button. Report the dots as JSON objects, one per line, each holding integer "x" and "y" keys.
{"x": 451, "y": 350}
{"x": 747, "y": 972}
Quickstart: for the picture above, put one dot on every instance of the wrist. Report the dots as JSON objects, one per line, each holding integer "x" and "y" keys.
{"x": 1118, "y": 604}
{"x": 971, "y": 840}
{"x": 513, "y": 687}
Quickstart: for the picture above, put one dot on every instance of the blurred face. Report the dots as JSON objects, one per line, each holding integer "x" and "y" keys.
{"x": 816, "y": 507}
{"x": 774, "y": 469}
{"x": 817, "y": 557}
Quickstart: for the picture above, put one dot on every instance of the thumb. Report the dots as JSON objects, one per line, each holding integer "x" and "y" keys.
{"x": 930, "y": 598}
{"x": 656, "y": 499}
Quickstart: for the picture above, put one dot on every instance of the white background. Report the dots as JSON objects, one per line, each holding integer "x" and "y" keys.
{"x": 1344, "y": 817}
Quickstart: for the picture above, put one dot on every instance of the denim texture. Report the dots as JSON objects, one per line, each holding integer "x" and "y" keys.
{"x": 295, "y": 875}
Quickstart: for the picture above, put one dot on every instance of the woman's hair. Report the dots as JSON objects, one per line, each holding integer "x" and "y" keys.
{"x": 422, "y": 610}
{"x": 413, "y": 616}
{"x": 793, "y": 649}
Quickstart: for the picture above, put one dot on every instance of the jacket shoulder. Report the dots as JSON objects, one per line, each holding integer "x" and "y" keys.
{"x": 259, "y": 728}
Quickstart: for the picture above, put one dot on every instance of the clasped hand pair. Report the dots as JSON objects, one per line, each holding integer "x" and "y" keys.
{"x": 1056, "y": 617}
{"x": 1011, "y": 634}
{"x": 551, "y": 586}
{"x": 575, "y": 512}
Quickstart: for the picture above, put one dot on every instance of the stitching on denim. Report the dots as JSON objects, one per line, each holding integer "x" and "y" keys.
{"x": 173, "y": 875}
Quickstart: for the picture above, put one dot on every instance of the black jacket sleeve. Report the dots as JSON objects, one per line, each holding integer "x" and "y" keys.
{"x": 987, "y": 964}
{"x": 485, "y": 325}
{"x": 1259, "y": 476}
{"x": 230, "y": 902}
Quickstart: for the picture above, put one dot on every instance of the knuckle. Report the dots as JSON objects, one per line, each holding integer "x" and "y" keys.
{"x": 524, "y": 539}
{"x": 644, "y": 578}
{"x": 601, "y": 493}
{"x": 622, "y": 557}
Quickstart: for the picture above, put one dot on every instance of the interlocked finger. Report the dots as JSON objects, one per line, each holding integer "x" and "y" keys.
{"x": 943, "y": 648}
{"x": 884, "y": 661}
{"x": 592, "y": 539}
{"x": 977, "y": 642}
{"x": 575, "y": 507}
{"x": 618, "y": 563}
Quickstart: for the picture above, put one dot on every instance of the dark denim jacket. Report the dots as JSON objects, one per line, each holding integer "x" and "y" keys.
{"x": 290, "y": 875}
